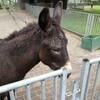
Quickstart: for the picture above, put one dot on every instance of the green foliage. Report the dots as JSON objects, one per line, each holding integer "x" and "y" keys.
{"x": 95, "y": 9}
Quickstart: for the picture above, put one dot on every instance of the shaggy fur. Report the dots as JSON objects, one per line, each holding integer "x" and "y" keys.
{"x": 23, "y": 49}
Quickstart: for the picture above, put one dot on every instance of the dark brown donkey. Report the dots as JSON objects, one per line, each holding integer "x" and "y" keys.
{"x": 24, "y": 49}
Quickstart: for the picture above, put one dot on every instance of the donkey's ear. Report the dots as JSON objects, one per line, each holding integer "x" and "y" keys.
{"x": 45, "y": 20}
{"x": 58, "y": 11}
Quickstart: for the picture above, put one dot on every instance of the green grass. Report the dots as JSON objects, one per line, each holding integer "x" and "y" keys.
{"x": 94, "y": 10}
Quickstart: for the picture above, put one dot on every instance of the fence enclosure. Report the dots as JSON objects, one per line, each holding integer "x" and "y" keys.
{"x": 78, "y": 92}
{"x": 81, "y": 23}
{"x": 62, "y": 73}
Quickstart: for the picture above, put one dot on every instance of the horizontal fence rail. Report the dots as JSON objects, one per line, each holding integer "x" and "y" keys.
{"x": 26, "y": 82}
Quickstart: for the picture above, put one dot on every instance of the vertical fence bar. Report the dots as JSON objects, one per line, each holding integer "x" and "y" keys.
{"x": 28, "y": 92}
{"x": 98, "y": 97}
{"x": 98, "y": 25}
{"x": 83, "y": 78}
{"x": 43, "y": 90}
{"x": 88, "y": 83}
{"x": 11, "y": 93}
{"x": 95, "y": 81}
{"x": 91, "y": 23}
{"x": 87, "y": 25}
{"x": 73, "y": 90}
{"x": 55, "y": 88}
{"x": 63, "y": 84}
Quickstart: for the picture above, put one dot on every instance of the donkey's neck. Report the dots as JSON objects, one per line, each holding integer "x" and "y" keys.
{"x": 24, "y": 50}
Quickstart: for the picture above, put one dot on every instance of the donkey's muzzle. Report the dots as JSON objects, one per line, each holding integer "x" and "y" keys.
{"x": 69, "y": 68}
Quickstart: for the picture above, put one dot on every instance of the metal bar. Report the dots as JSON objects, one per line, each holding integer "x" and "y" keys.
{"x": 95, "y": 81}
{"x": 87, "y": 25}
{"x": 94, "y": 60}
{"x": 98, "y": 97}
{"x": 11, "y": 93}
{"x": 55, "y": 88}
{"x": 63, "y": 84}
{"x": 29, "y": 81}
{"x": 43, "y": 90}
{"x": 88, "y": 83}
{"x": 83, "y": 78}
{"x": 91, "y": 25}
{"x": 73, "y": 90}
{"x": 28, "y": 92}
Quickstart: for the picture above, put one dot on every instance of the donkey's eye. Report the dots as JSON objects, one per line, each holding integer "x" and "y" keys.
{"x": 55, "y": 51}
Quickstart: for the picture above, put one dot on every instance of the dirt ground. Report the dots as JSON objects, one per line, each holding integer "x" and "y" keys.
{"x": 76, "y": 53}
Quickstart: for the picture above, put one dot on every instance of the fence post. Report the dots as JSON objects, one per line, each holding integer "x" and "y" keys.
{"x": 89, "y": 24}
{"x": 63, "y": 84}
{"x": 28, "y": 92}
{"x": 73, "y": 90}
{"x": 83, "y": 78}
{"x": 98, "y": 97}
{"x": 95, "y": 81}
{"x": 11, "y": 93}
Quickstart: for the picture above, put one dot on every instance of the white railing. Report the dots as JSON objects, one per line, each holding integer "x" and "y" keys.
{"x": 26, "y": 82}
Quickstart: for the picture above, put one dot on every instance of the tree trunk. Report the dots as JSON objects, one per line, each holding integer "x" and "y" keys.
{"x": 65, "y": 2}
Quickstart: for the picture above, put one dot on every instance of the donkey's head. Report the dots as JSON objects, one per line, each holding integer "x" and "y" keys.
{"x": 53, "y": 50}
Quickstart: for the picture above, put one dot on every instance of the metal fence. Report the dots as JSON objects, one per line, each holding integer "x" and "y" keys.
{"x": 87, "y": 89}
{"x": 62, "y": 73}
{"x": 90, "y": 68}
{"x": 74, "y": 21}
{"x": 81, "y": 23}
{"x": 89, "y": 86}
{"x": 93, "y": 25}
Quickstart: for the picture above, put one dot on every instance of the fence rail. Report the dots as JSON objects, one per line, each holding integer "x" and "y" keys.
{"x": 63, "y": 79}
{"x": 79, "y": 91}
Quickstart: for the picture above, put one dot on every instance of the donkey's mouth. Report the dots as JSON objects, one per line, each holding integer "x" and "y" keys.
{"x": 69, "y": 68}
{"x": 54, "y": 66}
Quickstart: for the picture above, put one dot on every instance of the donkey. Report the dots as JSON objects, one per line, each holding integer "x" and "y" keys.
{"x": 23, "y": 49}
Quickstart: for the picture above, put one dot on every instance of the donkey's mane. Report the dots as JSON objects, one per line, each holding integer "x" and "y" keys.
{"x": 31, "y": 27}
